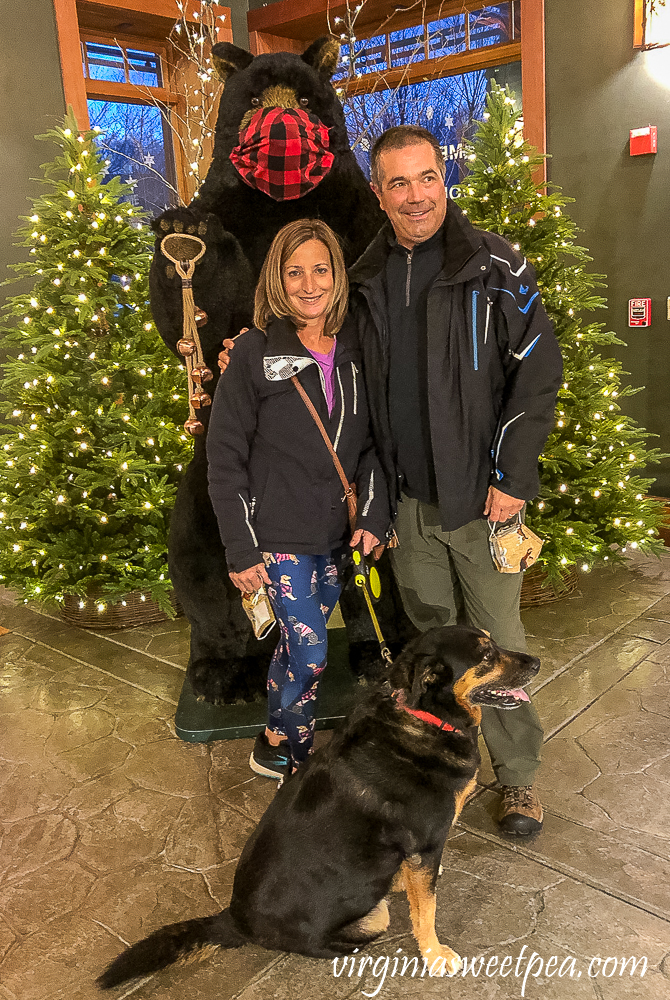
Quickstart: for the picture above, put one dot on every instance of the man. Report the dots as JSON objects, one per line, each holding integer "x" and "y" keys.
{"x": 462, "y": 370}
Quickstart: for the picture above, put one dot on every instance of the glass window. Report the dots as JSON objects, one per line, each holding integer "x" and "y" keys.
{"x": 144, "y": 68}
{"x": 104, "y": 62}
{"x": 448, "y": 108}
{"x": 490, "y": 26}
{"x": 370, "y": 57}
{"x": 657, "y": 24}
{"x": 446, "y": 37}
{"x": 137, "y": 142}
{"x": 119, "y": 65}
{"x": 494, "y": 24}
{"x": 407, "y": 46}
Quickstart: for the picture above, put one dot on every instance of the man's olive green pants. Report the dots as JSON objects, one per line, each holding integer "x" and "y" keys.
{"x": 448, "y": 577}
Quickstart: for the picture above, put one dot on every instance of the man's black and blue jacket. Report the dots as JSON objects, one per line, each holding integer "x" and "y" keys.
{"x": 493, "y": 367}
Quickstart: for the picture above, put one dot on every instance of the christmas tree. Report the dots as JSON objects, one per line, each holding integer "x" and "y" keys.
{"x": 593, "y": 505}
{"x": 93, "y": 443}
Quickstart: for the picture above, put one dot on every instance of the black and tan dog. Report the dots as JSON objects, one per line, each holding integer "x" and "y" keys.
{"x": 368, "y": 813}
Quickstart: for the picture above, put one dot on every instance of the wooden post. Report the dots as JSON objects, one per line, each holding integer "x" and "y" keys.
{"x": 533, "y": 78}
{"x": 74, "y": 85}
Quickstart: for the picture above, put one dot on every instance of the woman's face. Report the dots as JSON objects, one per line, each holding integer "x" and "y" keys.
{"x": 308, "y": 280}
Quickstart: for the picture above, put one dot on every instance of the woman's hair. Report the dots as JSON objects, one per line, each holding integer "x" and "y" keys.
{"x": 271, "y": 297}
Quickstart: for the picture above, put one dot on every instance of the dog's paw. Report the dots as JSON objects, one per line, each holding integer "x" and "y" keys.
{"x": 443, "y": 961}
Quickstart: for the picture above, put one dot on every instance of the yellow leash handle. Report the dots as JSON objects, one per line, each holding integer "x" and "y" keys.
{"x": 361, "y": 582}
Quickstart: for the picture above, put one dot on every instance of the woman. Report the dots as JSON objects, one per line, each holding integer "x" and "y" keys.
{"x": 273, "y": 485}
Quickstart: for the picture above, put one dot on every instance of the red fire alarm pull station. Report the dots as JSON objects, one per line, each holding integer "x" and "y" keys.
{"x": 643, "y": 140}
{"x": 639, "y": 312}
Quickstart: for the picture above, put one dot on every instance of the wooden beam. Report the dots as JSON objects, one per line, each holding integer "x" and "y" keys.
{"x": 156, "y": 8}
{"x": 74, "y": 87}
{"x": 533, "y": 78}
{"x": 434, "y": 69}
{"x": 638, "y": 30}
{"x": 306, "y": 21}
{"x": 151, "y": 19}
{"x": 260, "y": 43}
{"x": 107, "y": 90}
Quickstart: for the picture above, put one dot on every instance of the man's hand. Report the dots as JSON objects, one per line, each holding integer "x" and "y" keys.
{"x": 229, "y": 343}
{"x": 501, "y": 507}
{"x": 252, "y": 579}
{"x": 369, "y": 541}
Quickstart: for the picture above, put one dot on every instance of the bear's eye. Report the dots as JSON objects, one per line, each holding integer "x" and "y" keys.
{"x": 304, "y": 102}
{"x": 255, "y": 102}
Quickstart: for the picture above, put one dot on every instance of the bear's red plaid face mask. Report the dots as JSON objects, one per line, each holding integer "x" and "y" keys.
{"x": 283, "y": 152}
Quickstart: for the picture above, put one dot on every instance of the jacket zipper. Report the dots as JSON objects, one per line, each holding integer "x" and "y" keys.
{"x": 488, "y": 317}
{"x": 475, "y": 354}
{"x": 339, "y": 429}
{"x": 354, "y": 373}
{"x": 409, "y": 276}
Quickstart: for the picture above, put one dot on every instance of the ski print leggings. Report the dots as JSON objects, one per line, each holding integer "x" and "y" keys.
{"x": 303, "y": 593}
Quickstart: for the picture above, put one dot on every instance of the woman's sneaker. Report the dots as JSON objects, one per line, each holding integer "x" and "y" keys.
{"x": 271, "y": 762}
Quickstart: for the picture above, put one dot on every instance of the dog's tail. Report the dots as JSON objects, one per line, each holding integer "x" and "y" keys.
{"x": 181, "y": 942}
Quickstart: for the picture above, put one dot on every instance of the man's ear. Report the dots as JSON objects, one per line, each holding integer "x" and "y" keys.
{"x": 323, "y": 55}
{"x": 377, "y": 192}
{"x": 228, "y": 59}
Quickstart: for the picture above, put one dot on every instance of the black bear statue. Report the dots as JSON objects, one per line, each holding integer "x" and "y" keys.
{"x": 237, "y": 212}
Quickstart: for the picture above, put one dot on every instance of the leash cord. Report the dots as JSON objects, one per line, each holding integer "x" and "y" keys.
{"x": 383, "y": 648}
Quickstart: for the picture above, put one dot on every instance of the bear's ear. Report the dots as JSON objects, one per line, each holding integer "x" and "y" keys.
{"x": 228, "y": 59}
{"x": 323, "y": 55}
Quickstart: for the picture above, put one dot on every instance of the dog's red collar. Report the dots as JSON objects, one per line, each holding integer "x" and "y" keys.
{"x": 399, "y": 696}
{"x": 432, "y": 719}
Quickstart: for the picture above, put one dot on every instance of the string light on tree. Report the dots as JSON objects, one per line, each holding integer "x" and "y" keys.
{"x": 72, "y": 521}
{"x": 597, "y": 456}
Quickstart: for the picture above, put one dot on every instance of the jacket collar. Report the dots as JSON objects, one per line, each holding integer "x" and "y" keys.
{"x": 285, "y": 355}
{"x": 463, "y": 248}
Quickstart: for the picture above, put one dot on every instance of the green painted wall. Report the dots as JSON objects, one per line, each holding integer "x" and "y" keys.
{"x": 31, "y": 101}
{"x": 598, "y": 88}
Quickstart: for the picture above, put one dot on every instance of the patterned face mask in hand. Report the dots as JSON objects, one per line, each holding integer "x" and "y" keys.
{"x": 284, "y": 152}
{"x": 259, "y": 611}
{"x": 514, "y": 547}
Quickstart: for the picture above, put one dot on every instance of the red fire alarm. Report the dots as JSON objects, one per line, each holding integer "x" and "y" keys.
{"x": 639, "y": 312}
{"x": 643, "y": 140}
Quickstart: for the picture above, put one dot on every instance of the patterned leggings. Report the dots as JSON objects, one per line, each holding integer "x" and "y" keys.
{"x": 303, "y": 593}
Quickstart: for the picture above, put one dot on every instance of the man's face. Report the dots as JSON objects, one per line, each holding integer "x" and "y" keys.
{"x": 412, "y": 192}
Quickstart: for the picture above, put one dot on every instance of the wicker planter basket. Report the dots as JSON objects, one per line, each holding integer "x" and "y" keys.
{"x": 128, "y": 612}
{"x": 534, "y": 594}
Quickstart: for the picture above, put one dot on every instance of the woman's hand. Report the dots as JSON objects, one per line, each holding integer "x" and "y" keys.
{"x": 229, "y": 343}
{"x": 252, "y": 579}
{"x": 368, "y": 539}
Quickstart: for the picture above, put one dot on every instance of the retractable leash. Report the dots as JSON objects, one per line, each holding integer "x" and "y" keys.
{"x": 366, "y": 576}
{"x": 367, "y": 579}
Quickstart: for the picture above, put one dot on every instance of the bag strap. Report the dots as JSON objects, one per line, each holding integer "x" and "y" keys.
{"x": 349, "y": 489}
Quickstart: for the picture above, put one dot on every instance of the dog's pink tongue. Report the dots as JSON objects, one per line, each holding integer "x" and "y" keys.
{"x": 518, "y": 693}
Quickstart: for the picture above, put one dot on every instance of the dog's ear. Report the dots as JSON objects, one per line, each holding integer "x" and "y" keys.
{"x": 228, "y": 59}
{"x": 425, "y": 672}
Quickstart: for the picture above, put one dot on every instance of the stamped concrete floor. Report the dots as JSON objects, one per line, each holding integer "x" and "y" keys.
{"x": 110, "y": 826}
